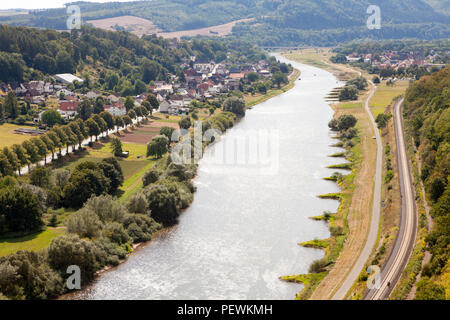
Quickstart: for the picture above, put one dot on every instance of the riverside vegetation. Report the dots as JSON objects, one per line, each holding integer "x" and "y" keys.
{"x": 344, "y": 125}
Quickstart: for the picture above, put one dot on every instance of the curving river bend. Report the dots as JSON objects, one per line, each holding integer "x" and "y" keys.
{"x": 242, "y": 231}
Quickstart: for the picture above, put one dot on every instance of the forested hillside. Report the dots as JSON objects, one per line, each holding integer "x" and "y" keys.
{"x": 428, "y": 116}
{"x": 276, "y": 22}
{"x": 28, "y": 54}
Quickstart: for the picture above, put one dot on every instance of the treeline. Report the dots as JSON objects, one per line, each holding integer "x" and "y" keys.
{"x": 428, "y": 117}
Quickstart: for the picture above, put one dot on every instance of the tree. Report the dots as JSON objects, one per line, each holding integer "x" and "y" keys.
{"x": 11, "y": 105}
{"x": 168, "y": 132}
{"x": 235, "y": 105}
{"x": 79, "y": 136}
{"x": 163, "y": 203}
{"x": 86, "y": 180}
{"x": 32, "y": 152}
{"x": 103, "y": 126}
{"x": 139, "y": 87}
{"x": 85, "y": 109}
{"x": 252, "y": 77}
{"x": 70, "y": 250}
{"x": 71, "y": 138}
{"x": 127, "y": 120}
{"x": 348, "y": 93}
{"x": 49, "y": 145}
{"x": 158, "y": 146}
{"x": 116, "y": 146}
{"x": 99, "y": 105}
{"x": 12, "y": 159}
{"x": 64, "y": 62}
{"x": 22, "y": 156}
{"x": 119, "y": 123}
{"x": 427, "y": 290}
{"x": 129, "y": 103}
{"x": 2, "y": 114}
{"x": 5, "y": 166}
{"x": 154, "y": 103}
{"x": 108, "y": 119}
{"x": 20, "y": 212}
{"x": 279, "y": 78}
{"x": 40, "y": 177}
{"x": 51, "y": 117}
{"x": 132, "y": 114}
{"x": 376, "y": 80}
{"x": 55, "y": 141}
{"x": 115, "y": 176}
{"x": 185, "y": 123}
{"x": 62, "y": 137}
{"x": 41, "y": 148}
{"x": 93, "y": 128}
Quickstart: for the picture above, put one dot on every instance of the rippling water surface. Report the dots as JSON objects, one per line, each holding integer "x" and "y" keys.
{"x": 242, "y": 231}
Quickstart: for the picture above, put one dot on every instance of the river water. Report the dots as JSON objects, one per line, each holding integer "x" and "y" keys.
{"x": 242, "y": 231}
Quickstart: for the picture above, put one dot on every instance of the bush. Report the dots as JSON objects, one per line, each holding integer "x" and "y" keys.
{"x": 140, "y": 227}
{"x": 21, "y": 211}
{"x": 164, "y": 202}
{"x": 150, "y": 177}
{"x": 70, "y": 250}
{"x": 138, "y": 204}
{"x": 85, "y": 223}
{"x": 28, "y": 275}
{"x": 318, "y": 266}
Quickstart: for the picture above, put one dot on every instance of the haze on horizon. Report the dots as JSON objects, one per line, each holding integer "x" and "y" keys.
{"x": 45, "y": 4}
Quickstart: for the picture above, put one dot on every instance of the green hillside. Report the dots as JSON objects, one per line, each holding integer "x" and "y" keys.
{"x": 280, "y": 22}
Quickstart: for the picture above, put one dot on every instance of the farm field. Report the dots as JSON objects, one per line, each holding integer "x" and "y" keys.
{"x": 136, "y": 25}
{"x": 218, "y": 31}
{"x": 385, "y": 94}
{"x": 8, "y": 137}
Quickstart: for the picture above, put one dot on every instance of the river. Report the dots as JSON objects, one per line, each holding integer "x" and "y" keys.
{"x": 242, "y": 231}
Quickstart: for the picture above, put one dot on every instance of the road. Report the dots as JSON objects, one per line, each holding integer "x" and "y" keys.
{"x": 406, "y": 237}
{"x": 371, "y": 240}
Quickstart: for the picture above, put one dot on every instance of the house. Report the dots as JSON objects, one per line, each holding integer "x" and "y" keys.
{"x": 92, "y": 94}
{"x": 113, "y": 98}
{"x": 116, "y": 110}
{"x": 164, "y": 107}
{"x": 68, "y": 109}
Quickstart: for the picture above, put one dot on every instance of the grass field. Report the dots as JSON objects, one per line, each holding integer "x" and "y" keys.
{"x": 385, "y": 94}
{"x": 8, "y": 137}
{"x": 33, "y": 242}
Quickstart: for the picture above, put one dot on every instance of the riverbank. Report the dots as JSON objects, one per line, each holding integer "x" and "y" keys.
{"x": 353, "y": 215}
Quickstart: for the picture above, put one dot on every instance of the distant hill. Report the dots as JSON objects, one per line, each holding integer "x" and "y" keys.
{"x": 276, "y": 22}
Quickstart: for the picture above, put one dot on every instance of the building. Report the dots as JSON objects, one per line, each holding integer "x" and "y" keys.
{"x": 68, "y": 109}
{"x": 67, "y": 78}
{"x": 116, "y": 109}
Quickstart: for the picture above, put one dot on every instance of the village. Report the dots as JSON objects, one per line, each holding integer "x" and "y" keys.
{"x": 200, "y": 82}
{"x": 395, "y": 60}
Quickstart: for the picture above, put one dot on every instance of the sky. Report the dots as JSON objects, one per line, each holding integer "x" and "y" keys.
{"x": 41, "y": 4}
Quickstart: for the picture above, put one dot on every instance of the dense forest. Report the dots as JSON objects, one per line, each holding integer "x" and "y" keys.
{"x": 275, "y": 22}
{"x": 428, "y": 121}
